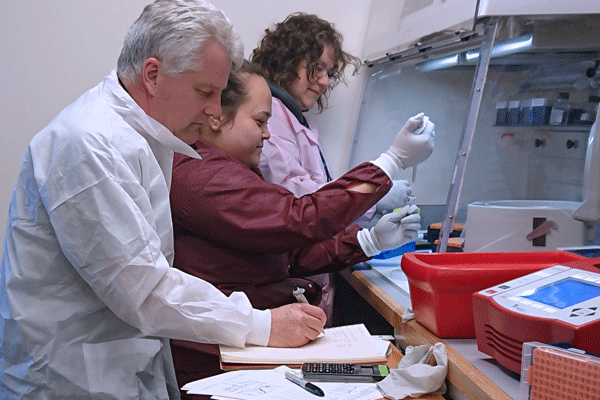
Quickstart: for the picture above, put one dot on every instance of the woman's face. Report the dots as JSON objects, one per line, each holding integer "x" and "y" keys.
{"x": 307, "y": 89}
{"x": 243, "y": 136}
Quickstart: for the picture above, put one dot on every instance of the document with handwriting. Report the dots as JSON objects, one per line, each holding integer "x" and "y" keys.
{"x": 271, "y": 385}
{"x": 344, "y": 344}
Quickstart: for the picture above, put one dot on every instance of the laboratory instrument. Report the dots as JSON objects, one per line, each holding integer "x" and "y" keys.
{"x": 418, "y": 131}
{"x": 441, "y": 285}
{"x": 556, "y": 304}
{"x": 522, "y": 225}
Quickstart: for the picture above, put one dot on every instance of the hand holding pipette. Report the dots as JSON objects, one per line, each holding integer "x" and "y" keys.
{"x": 411, "y": 146}
{"x": 418, "y": 131}
{"x": 392, "y": 231}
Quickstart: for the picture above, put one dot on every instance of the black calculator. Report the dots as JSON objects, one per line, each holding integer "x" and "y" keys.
{"x": 338, "y": 372}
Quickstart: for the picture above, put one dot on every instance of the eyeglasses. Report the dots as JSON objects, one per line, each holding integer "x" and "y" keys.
{"x": 320, "y": 71}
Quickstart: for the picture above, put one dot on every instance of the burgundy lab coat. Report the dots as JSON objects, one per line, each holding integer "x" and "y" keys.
{"x": 241, "y": 233}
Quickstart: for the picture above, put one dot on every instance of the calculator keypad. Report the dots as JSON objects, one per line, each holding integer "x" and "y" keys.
{"x": 343, "y": 372}
{"x": 331, "y": 368}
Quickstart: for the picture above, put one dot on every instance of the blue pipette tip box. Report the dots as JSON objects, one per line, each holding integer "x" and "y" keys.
{"x": 398, "y": 251}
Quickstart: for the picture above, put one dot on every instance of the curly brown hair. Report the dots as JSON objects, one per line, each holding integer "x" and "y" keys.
{"x": 300, "y": 37}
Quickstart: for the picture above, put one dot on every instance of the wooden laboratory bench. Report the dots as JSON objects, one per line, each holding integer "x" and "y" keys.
{"x": 462, "y": 375}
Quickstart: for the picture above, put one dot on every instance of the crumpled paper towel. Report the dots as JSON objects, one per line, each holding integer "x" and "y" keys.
{"x": 407, "y": 315}
{"x": 414, "y": 376}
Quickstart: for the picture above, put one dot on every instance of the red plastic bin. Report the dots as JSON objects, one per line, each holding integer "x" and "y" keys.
{"x": 442, "y": 284}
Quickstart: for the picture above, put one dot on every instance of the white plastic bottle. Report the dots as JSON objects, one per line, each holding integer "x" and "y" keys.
{"x": 560, "y": 110}
{"x": 588, "y": 117}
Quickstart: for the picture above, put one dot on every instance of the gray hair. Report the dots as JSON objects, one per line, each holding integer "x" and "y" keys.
{"x": 176, "y": 32}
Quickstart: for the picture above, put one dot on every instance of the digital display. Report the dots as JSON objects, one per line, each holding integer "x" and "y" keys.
{"x": 565, "y": 293}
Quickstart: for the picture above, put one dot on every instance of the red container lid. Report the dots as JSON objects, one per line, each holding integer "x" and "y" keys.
{"x": 458, "y": 268}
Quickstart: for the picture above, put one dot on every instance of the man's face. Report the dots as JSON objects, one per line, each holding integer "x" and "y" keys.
{"x": 183, "y": 103}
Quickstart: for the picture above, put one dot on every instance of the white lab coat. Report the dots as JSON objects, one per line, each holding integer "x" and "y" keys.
{"x": 88, "y": 294}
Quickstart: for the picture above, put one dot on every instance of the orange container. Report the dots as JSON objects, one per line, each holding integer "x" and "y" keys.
{"x": 549, "y": 372}
{"x": 442, "y": 284}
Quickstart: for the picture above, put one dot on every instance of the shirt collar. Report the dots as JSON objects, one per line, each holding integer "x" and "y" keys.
{"x": 133, "y": 114}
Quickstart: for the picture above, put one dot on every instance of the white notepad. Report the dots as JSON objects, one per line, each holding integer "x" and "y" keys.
{"x": 345, "y": 344}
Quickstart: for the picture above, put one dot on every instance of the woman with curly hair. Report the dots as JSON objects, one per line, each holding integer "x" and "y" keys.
{"x": 304, "y": 60}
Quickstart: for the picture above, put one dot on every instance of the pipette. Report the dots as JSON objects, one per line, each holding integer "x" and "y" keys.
{"x": 418, "y": 131}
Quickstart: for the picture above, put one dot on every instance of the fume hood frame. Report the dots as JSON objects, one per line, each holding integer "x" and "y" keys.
{"x": 491, "y": 36}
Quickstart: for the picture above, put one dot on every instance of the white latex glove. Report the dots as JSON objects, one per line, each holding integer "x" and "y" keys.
{"x": 392, "y": 231}
{"x": 398, "y": 196}
{"x": 411, "y": 146}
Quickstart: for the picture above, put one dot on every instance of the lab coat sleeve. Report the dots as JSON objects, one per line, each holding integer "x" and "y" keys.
{"x": 103, "y": 219}
{"x": 282, "y": 162}
{"x": 227, "y": 203}
{"x": 284, "y": 168}
{"x": 329, "y": 255}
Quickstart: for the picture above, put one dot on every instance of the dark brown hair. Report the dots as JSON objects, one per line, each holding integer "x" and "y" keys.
{"x": 301, "y": 37}
{"x": 236, "y": 92}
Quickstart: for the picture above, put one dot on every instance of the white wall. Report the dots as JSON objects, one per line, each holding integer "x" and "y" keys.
{"x": 53, "y": 51}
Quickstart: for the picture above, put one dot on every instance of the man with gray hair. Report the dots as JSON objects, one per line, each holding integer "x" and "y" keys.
{"x": 89, "y": 298}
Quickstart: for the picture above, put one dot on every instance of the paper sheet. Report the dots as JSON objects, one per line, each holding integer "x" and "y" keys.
{"x": 272, "y": 385}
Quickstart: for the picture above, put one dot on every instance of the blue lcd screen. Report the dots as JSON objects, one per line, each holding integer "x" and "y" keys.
{"x": 565, "y": 293}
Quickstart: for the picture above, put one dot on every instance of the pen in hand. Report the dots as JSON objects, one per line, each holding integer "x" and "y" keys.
{"x": 314, "y": 389}
{"x": 299, "y": 295}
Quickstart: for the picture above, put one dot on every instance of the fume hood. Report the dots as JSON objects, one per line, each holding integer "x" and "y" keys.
{"x": 493, "y": 77}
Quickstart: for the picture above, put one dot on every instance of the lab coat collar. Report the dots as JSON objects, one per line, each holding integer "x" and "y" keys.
{"x": 291, "y": 103}
{"x": 311, "y": 133}
{"x": 134, "y": 114}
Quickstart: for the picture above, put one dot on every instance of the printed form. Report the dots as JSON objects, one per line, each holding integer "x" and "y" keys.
{"x": 272, "y": 385}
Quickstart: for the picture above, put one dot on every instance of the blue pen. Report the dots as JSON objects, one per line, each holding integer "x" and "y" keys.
{"x": 314, "y": 389}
